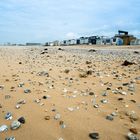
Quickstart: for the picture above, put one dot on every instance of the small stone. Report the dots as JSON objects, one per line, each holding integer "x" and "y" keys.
{"x": 1, "y": 87}
{"x": 96, "y": 106}
{"x": 67, "y": 71}
{"x": 21, "y": 85}
{"x": 57, "y": 116}
{"x": 110, "y": 117}
{"x": 83, "y": 75}
{"x": 3, "y": 128}
{"x": 94, "y": 135}
{"x": 47, "y": 117}
{"x": 21, "y": 102}
{"x": 62, "y": 125}
{"x": 27, "y": 91}
{"x": 120, "y": 99}
{"x": 134, "y": 130}
{"x": 43, "y": 73}
{"x": 8, "y": 116}
{"x": 127, "y": 63}
{"x": 10, "y": 138}
{"x": 91, "y": 93}
{"x": 132, "y": 115}
{"x": 7, "y": 96}
{"x": 17, "y": 106}
{"x": 21, "y": 120}
{"x": 132, "y": 136}
{"x": 15, "y": 125}
{"x": 104, "y": 101}
{"x": 71, "y": 109}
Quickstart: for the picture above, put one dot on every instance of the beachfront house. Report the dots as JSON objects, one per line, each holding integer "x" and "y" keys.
{"x": 127, "y": 38}
{"x": 116, "y": 41}
{"x": 33, "y": 44}
{"x": 135, "y": 42}
{"x": 103, "y": 40}
{"x": 92, "y": 40}
{"x": 84, "y": 40}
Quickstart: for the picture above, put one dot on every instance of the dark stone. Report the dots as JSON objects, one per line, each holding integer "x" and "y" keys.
{"x": 44, "y": 97}
{"x": 91, "y": 93}
{"x": 21, "y": 120}
{"x": 44, "y": 52}
{"x": 127, "y": 63}
{"x": 136, "y": 52}
{"x": 94, "y": 135}
{"x": 92, "y": 50}
{"x": 60, "y": 49}
{"x": 120, "y": 99}
{"x": 108, "y": 88}
{"x": 109, "y": 117}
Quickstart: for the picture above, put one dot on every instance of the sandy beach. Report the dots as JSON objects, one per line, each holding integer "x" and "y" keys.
{"x": 66, "y": 93}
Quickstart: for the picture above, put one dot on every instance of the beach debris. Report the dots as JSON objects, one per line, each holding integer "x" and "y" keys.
{"x": 132, "y": 136}
{"x": 10, "y": 138}
{"x": 21, "y": 120}
{"x": 15, "y": 125}
{"x": 94, "y": 135}
{"x": 3, "y": 128}
{"x": 8, "y": 116}
{"x": 127, "y": 63}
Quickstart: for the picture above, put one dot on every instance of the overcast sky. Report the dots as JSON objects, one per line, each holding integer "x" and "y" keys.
{"x": 45, "y": 20}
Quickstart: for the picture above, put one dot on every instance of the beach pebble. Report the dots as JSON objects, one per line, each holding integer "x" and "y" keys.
{"x": 94, "y": 135}
{"x": 27, "y": 91}
{"x": 43, "y": 73}
{"x": 3, "y": 128}
{"x": 10, "y": 138}
{"x": 8, "y": 116}
{"x": 15, "y": 125}
{"x": 134, "y": 130}
{"x": 110, "y": 117}
{"x": 132, "y": 136}
{"x": 47, "y": 117}
{"x": 57, "y": 116}
{"x": 21, "y": 120}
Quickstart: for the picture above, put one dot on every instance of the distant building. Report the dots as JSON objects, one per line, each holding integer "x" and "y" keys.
{"x": 135, "y": 42}
{"x": 125, "y": 37}
{"x": 103, "y": 40}
{"x": 116, "y": 41}
{"x": 33, "y": 44}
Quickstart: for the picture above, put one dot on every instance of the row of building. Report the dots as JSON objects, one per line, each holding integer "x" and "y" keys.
{"x": 122, "y": 38}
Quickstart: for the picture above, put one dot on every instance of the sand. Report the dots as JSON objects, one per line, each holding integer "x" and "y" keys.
{"x": 68, "y": 94}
